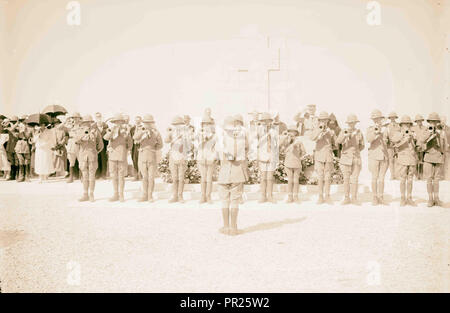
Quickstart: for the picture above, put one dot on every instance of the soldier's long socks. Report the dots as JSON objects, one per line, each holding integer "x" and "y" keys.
{"x": 151, "y": 186}
{"x": 403, "y": 192}
{"x": 262, "y": 186}
{"x": 208, "y": 191}
{"x": 430, "y": 192}
{"x": 121, "y": 188}
{"x": 296, "y": 190}
{"x": 144, "y": 196}
{"x": 320, "y": 185}
{"x": 380, "y": 190}
{"x": 180, "y": 190}
{"x": 174, "y": 191}
{"x": 436, "y": 192}
{"x": 270, "y": 190}
{"x": 203, "y": 192}
{"x": 91, "y": 189}
{"x": 115, "y": 197}
{"x": 327, "y": 189}
{"x": 234, "y": 215}
{"x": 354, "y": 192}
{"x": 409, "y": 187}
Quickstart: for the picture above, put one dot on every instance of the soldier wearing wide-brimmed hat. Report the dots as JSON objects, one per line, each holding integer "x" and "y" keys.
{"x": 434, "y": 144}
{"x": 120, "y": 143}
{"x": 71, "y": 127}
{"x": 378, "y": 155}
{"x": 22, "y": 149}
{"x": 135, "y": 148}
{"x": 233, "y": 172}
{"x": 180, "y": 146}
{"x": 294, "y": 150}
{"x": 417, "y": 129}
{"x": 206, "y": 155}
{"x": 90, "y": 144}
{"x": 405, "y": 143}
{"x": 267, "y": 155}
{"x": 310, "y": 121}
{"x": 150, "y": 141}
{"x": 352, "y": 141}
{"x": 11, "y": 146}
{"x": 392, "y": 128}
{"x": 325, "y": 140}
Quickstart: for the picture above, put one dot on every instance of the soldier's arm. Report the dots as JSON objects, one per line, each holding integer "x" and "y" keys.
{"x": 108, "y": 134}
{"x": 371, "y": 135}
{"x": 159, "y": 143}
{"x": 362, "y": 144}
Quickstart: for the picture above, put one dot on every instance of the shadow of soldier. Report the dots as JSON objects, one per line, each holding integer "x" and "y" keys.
{"x": 270, "y": 225}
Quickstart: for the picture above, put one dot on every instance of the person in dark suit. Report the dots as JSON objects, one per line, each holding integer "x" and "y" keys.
{"x": 102, "y": 170}
{"x": 135, "y": 149}
{"x": 11, "y": 146}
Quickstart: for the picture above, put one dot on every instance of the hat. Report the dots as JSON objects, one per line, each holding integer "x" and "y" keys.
{"x": 75, "y": 115}
{"x": 14, "y": 118}
{"x": 392, "y": 115}
{"x": 323, "y": 116}
{"x": 293, "y": 127}
{"x": 178, "y": 120}
{"x": 228, "y": 123}
{"x": 264, "y": 116}
{"x": 332, "y": 117}
{"x": 352, "y": 119}
{"x": 239, "y": 118}
{"x": 22, "y": 117}
{"x": 207, "y": 120}
{"x": 405, "y": 120}
{"x": 376, "y": 114}
{"x": 87, "y": 119}
{"x": 118, "y": 118}
{"x": 311, "y": 106}
{"x": 433, "y": 117}
{"x": 418, "y": 118}
{"x": 148, "y": 118}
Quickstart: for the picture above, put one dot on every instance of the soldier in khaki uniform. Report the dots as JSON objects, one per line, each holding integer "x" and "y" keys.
{"x": 392, "y": 128}
{"x": 232, "y": 173}
{"x": 267, "y": 156}
{"x": 71, "y": 127}
{"x": 149, "y": 140}
{"x": 90, "y": 144}
{"x": 179, "y": 138}
{"x": 378, "y": 155}
{"x": 417, "y": 129}
{"x": 434, "y": 143}
{"x": 323, "y": 155}
{"x": 352, "y": 141}
{"x": 120, "y": 143}
{"x": 206, "y": 155}
{"x": 405, "y": 143}
{"x": 294, "y": 151}
{"x": 310, "y": 120}
{"x": 22, "y": 150}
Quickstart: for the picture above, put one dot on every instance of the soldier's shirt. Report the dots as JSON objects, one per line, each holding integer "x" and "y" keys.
{"x": 406, "y": 148}
{"x": 392, "y": 128}
{"x": 433, "y": 149}
{"x": 310, "y": 124}
{"x": 148, "y": 145}
{"x": 72, "y": 146}
{"x": 206, "y": 148}
{"x": 234, "y": 144}
{"x": 377, "y": 144}
{"x": 118, "y": 148}
{"x": 181, "y": 144}
{"x": 89, "y": 144}
{"x": 323, "y": 151}
{"x": 351, "y": 147}
{"x": 268, "y": 146}
{"x": 293, "y": 152}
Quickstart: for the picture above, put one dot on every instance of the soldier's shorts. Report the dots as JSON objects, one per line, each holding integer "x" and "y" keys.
{"x": 351, "y": 172}
{"x": 405, "y": 171}
{"x": 293, "y": 174}
{"x": 323, "y": 169}
{"x": 147, "y": 169}
{"x": 231, "y": 194}
{"x": 23, "y": 158}
{"x": 206, "y": 172}
{"x": 72, "y": 157}
{"x": 117, "y": 168}
{"x": 378, "y": 168}
{"x": 267, "y": 166}
{"x": 177, "y": 170}
{"x": 433, "y": 170}
{"x": 12, "y": 158}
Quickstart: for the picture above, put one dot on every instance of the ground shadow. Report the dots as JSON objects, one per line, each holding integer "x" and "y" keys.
{"x": 10, "y": 237}
{"x": 270, "y": 225}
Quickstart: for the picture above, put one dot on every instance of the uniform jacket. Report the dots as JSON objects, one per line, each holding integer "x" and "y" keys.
{"x": 309, "y": 124}
{"x": 181, "y": 143}
{"x": 119, "y": 144}
{"x": 392, "y": 129}
{"x": 89, "y": 144}
{"x": 23, "y": 135}
{"x": 294, "y": 151}
{"x": 325, "y": 143}
{"x": 149, "y": 143}
{"x": 268, "y": 146}
{"x": 206, "y": 146}
{"x": 352, "y": 146}
{"x": 406, "y": 148}
{"x": 378, "y": 144}
{"x": 434, "y": 148}
{"x": 71, "y": 133}
{"x": 233, "y": 165}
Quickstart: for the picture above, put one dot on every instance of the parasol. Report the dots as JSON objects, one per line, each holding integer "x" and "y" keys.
{"x": 37, "y": 119}
{"x": 54, "y": 110}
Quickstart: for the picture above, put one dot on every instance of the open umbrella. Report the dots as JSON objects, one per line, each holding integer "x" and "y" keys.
{"x": 37, "y": 119}
{"x": 54, "y": 110}
{"x": 2, "y": 117}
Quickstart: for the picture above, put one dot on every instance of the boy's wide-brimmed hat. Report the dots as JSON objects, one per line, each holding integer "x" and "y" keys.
{"x": 293, "y": 127}
{"x": 148, "y": 118}
{"x": 433, "y": 117}
{"x": 239, "y": 118}
{"x": 323, "y": 116}
{"x": 87, "y": 119}
{"x": 352, "y": 119}
{"x": 418, "y": 118}
{"x": 178, "y": 120}
{"x": 75, "y": 115}
{"x": 406, "y": 120}
{"x": 228, "y": 123}
{"x": 392, "y": 115}
{"x": 119, "y": 118}
{"x": 14, "y": 118}
{"x": 376, "y": 114}
{"x": 265, "y": 116}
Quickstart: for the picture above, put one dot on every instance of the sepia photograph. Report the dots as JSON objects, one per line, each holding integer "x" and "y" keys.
{"x": 207, "y": 147}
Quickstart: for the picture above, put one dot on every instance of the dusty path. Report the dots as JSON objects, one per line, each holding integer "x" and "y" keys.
{"x": 55, "y": 244}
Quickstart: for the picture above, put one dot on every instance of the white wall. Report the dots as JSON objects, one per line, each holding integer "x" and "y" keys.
{"x": 167, "y": 57}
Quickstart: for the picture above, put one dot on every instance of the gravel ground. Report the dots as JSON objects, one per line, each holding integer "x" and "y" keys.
{"x": 55, "y": 244}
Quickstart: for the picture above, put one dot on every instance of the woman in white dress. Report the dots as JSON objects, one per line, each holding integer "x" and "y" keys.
{"x": 45, "y": 140}
{"x": 5, "y": 166}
